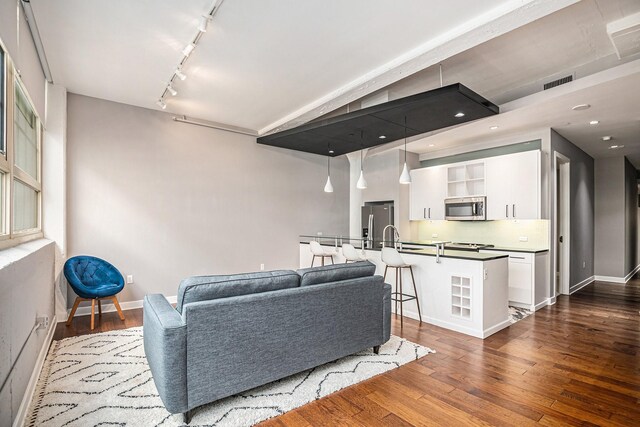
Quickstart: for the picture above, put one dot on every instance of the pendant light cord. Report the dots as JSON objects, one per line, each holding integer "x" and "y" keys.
{"x": 405, "y": 139}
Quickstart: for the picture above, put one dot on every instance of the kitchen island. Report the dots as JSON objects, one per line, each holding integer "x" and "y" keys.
{"x": 459, "y": 290}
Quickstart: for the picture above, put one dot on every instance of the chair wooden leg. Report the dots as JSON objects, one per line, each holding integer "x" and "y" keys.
{"x": 313, "y": 260}
{"x": 73, "y": 310}
{"x": 99, "y": 309}
{"x": 415, "y": 291}
{"x": 93, "y": 310}
{"x": 331, "y": 259}
{"x": 384, "y": 276}
{"x": 396, "y": 291}
{"x": 322, "y": 258}
{"x": 115, "y": 302}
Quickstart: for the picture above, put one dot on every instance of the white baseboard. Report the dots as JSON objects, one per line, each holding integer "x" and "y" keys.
{"x": 21, "y": 415}
{"x": 542, "y": 304}
{"x": 454, "y": 327}
{"x": 620, "y": 280}
{"x": 552, "y": 300}
{"x": 582, "y": 284}
{"x": 106, "y": 308}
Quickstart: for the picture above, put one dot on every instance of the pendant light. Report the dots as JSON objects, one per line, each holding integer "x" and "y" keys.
{"x": 328, "y": 188}
{"x": 405, "y": 177}
{"x": 362, "y": 183}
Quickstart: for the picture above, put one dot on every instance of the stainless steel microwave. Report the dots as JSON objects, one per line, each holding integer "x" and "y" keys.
{"x": 465, "y": 209}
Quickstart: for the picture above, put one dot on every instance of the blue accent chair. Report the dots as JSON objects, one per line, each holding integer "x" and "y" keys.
{"x": 93, "y": 279}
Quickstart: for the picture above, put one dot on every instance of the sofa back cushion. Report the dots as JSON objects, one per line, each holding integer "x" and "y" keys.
{"x": 335, "y": 273}
{"x": 203, "y": 288}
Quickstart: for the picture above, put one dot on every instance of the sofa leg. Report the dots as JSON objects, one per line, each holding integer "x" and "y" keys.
{"x": 186, "y": 417}
{"x": 376, "y": 349}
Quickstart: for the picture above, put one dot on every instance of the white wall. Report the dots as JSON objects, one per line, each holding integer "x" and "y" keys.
{"x": 26, "y": 271}
{"x": 26, "y": 292}
{"x": 163, "y": 200}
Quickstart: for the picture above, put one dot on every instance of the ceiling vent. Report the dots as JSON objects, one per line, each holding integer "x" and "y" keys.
{"x": 625, "y": 35}
{"x": 558, "y": 82}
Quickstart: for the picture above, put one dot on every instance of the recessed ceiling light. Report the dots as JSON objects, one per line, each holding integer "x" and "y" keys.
{"x": 331, "y": 151}
{"x": 615, "y": 147}
{"x": 594, "y": 122}
{"x": 580, "y": 107}
{"x": 460, "y": 114}
{"x": 607, "y": 138}
{"x": 493, "y": 127}
{"x": 431, "y": 145}
{"x": 382, "y": 136}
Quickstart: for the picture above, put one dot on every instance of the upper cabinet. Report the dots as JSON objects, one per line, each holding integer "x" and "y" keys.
{"x": 465, "y": 180}
{"x": 513, "y": 186}
{"x": 428, "y": 191}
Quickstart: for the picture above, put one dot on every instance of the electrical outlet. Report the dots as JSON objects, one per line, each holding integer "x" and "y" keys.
{"x": 524, "y": 239}
{"x": 319, "y": 233}
{"x": 486, "y": 274}
{"x": 261, "y": 267}
{"x": 584, "y": 264}
{"x": 129, "y": 279}
{"x": 434, "y": 236}
{"x": 43, "y": 322}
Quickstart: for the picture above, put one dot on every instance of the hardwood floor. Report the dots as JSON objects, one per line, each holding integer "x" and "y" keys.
{"x": 574, "y": 363}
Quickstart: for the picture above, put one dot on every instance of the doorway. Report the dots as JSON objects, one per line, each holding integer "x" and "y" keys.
{"x": 562, "y": 224}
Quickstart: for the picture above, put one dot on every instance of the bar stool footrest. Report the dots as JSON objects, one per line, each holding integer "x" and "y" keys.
{"x": 403, "y": 297}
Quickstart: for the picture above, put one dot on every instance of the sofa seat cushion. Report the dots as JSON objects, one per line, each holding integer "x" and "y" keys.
{"x": 204, "y": 288}
{"x": 335, "y": 273}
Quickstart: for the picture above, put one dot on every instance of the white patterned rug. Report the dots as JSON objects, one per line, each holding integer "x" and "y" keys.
{"x": 516, "y": 314}
{"x": 103, "y": 379}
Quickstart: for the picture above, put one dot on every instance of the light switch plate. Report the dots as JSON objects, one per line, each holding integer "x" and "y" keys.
{"x": 524, "y": 239}
{"x": 129, "y": 279}
{"x": 434, "y": 235}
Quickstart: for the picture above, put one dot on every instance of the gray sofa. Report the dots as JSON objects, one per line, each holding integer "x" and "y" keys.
{"x": 229, "y": 334}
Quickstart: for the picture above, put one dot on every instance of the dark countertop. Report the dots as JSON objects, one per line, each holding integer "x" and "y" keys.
{"x": 448, "y": 253}
{"x": 523, "y": 250}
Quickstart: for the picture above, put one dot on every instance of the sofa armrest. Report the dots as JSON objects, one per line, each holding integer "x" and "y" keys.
{"x": 386, "y": 312}
{"x": 165, "y": 345}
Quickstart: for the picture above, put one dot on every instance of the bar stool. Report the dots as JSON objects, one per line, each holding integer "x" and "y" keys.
{"x": 351, "y": 254}
{"x": 391, "y": 257}
{"x": 318, "y": 251}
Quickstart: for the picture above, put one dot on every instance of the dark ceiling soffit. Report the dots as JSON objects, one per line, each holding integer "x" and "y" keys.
{"x": 343, "y": 133}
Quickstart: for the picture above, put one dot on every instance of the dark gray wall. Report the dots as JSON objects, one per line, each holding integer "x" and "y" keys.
{"x": 631, "y": 217}
{"x": 581, "y": 206}
{"x": 610, "y": 217}
{"x": 164, "y": 200}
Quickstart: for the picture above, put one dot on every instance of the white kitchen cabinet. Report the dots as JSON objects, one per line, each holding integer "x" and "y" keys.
{"x": 528, "y": 276}
{"x": 428, "y": 191}
{"x": 513, "y": 186}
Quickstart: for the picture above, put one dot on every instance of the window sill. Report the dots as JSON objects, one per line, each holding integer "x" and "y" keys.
{"x": 17, "y": 240}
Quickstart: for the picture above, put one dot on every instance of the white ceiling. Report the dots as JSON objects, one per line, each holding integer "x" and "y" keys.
{"x": 266, "y": 64}
{"x": 260, "y": 61}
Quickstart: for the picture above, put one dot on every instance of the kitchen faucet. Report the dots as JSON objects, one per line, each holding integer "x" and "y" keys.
{"x": 397, "y": 244}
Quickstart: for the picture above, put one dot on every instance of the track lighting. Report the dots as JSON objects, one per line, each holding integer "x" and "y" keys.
{"x": 180, "y": 75}
{"x": 161, "y": 104}
{"x": 188, "y": 49}
{"x": 172, "y": 91}
{"x": 204, "y": 22}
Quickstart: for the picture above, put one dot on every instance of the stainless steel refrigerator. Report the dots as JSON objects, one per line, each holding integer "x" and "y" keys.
{"x": 374, "y": 219}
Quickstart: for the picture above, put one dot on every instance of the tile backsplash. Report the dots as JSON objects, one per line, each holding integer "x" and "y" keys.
{"x": 510, "y": 233}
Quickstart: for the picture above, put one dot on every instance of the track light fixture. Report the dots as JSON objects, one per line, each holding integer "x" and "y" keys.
{"x": 204, "y": 22}
{"x": 179, "y": 74}
{"x": 188, "y": 49}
